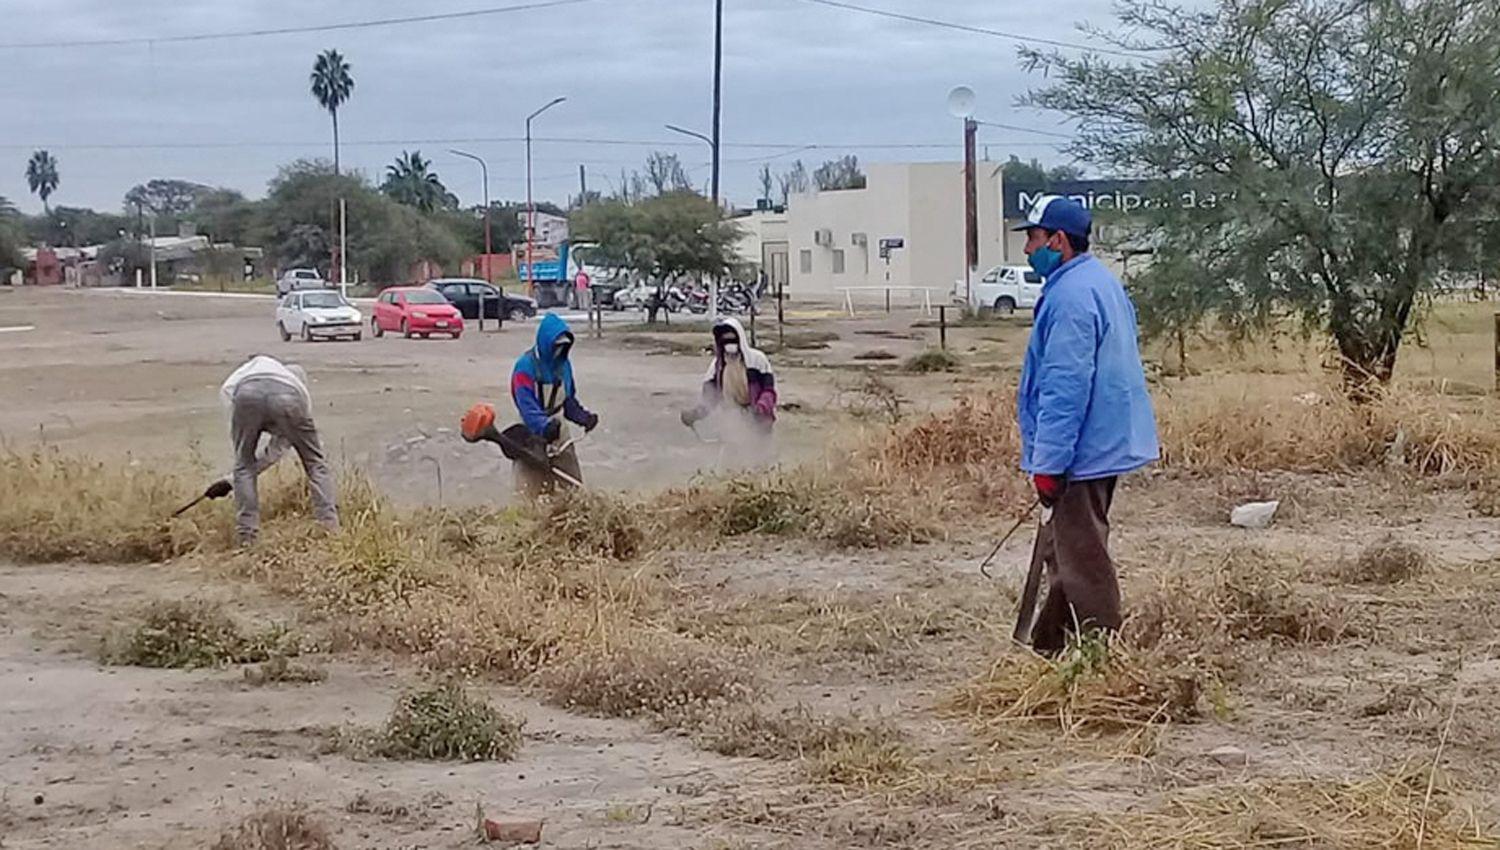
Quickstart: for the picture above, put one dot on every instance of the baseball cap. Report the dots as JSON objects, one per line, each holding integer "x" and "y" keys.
{"x": 1055, "y": 212}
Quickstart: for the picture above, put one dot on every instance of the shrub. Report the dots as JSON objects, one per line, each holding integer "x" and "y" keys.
{"x": 192, "y": 634}
{"x": 444, "y": 723}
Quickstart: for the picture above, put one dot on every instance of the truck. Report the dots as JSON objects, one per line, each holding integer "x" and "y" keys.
{"x": 1004, "y": 289}
{"x": 558, "y": 271}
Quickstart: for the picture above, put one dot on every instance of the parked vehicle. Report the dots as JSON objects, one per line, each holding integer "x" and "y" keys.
{"x": 1004, "y": 289}
{"x": 466, "y": 293}
{"x": 415, "y": 311}
{"x": 292, "y": 280}
{"x": 318, "y": 314}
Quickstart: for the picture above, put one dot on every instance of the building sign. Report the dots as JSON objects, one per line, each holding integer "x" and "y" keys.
{"x": 1111, "y": 196}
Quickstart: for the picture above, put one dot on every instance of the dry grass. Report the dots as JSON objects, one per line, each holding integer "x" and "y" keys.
{"x": 55, "y": 508}
{"x": 279, "y": 670}
{"x": 842, "y": 749}
{"x": 933, "y": 360}
{"x": 441, "y": 722}
{"x": 667, "y": 680}
{"x": 1386, "y": 561}
{"x": 1096, "y": 686}
{"x": 1200, "y": 615}
{"x": 1308, "y": 426}
{"x": 277, "y": 828}
{"x": 192, "y": 634}
{"x": 1394, "y": 812}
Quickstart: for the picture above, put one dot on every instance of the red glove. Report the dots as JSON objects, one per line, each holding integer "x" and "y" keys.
{"x": 1049, "y": 488}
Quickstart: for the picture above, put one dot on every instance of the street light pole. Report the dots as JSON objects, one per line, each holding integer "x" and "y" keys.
{"x": 713, "y": 282}
{"x": 531, "y": 205}
{"x": 484, "y": 171}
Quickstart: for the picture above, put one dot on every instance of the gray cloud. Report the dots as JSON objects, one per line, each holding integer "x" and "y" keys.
{"x": 795, "y": 73}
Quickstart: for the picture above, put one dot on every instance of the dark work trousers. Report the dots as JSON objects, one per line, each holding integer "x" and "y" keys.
{"x": 1082, "y": 589}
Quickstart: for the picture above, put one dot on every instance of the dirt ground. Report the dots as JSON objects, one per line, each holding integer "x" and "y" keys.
{"x": 109, "y": 373}
{"x": 122, "y": 756}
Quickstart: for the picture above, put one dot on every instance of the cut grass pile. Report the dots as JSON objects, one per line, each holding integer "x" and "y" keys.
{"x": 841, "y": 749}
{"x": 440, "y": 722}
{"x": 1403, "y": 810}
{"x": 193, "y": 634}
{"x": 933, "y": 360}
{"x": 279, "y": 670}
{"x": 1096, "y": 686}
{"x": 1386, "y": 561}
{"x": 277, "y": 828}
{"x": 668, "y": 680}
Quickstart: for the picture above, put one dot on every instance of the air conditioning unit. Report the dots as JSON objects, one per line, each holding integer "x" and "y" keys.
{"x": 860, "y": 239}
{"x": 823, "y": 236}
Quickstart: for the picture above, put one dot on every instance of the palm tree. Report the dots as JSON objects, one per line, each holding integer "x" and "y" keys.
{"x": 41, "y": 176}
{"x": 332, "y": 85}
{"x": 410, "y": 181}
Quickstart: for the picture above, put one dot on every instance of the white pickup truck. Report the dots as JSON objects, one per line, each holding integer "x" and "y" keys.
{"x": 1004, "y": 289}
{"x": 292, "y": 280}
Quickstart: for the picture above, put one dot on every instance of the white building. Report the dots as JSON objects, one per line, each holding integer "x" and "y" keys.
{"x": 763, "y": 244}
{"x": 834, "y": 238}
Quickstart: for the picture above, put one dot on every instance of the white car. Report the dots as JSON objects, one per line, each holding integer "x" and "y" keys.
{"x": 292, "y": 280}
{"x": 318, "y": 313}
{"x": 1005, "y": 289}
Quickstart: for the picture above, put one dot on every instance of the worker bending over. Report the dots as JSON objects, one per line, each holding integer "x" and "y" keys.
{"x": 739, "y": 379}
{"x": 266, "y": 396}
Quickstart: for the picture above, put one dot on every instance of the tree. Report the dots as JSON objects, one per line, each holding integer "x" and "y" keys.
{"x": 767, "y": 182}
{"x": 169, "y": 198}
{"x": 224, "y": 215}
{"x": 1351, "y": 145}
{"x": 1035, "y": 175}
{"x": 41, "y": 176}
{"x": 332, "y": 85}
{"x": 411, "y": 181}
{"x": 661, "y": 238}
{"x": 664, "y": 173}
{"x": 836, "y": 174}
{"x": 75, "y": 226}
{"x": 794, "y": 182}
{"x": 10, "y": 235}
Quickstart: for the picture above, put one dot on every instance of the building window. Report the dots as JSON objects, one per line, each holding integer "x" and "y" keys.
{"x": 804, "y": 261}
{"x": 838, "y": 260}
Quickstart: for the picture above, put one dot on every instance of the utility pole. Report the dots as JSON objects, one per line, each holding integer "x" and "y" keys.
{"x": 583, "y": 184}
{"x": 343, "y": 250}
{"x": 713, "y": 288}
{"x": 971, "y": 210}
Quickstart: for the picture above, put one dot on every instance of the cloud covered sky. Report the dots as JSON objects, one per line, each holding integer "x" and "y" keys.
{"x": 229, "y": 112}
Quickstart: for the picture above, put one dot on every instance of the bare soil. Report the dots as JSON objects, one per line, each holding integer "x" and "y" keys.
{"x": 132, "y": 757}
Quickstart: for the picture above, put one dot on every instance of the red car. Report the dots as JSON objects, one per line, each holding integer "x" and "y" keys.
{"x": 415, "y": 311}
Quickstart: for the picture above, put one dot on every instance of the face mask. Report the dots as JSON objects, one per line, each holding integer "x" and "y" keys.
{"x": 1045, "y": 260}
{"x": 560, "y": 353}
{"x": 732, "y": 349}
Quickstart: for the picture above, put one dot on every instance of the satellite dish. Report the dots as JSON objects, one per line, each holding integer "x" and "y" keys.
{"x": 961, "y": 102}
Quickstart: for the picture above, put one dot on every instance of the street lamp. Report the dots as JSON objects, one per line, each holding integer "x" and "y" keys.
{"x": 484, "y": 171}
{"x": 530, "y": 205}
{"x": 713, "y": 282}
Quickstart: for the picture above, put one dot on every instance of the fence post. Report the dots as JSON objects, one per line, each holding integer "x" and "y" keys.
{"x": 943, "y": 327}
{"x": 481, "y": 312}
{"x": 1497, "y": 351}
{"x": 752, "y": 324}
{"x": 780, "y": 319}
{"x": 888, "y": 300}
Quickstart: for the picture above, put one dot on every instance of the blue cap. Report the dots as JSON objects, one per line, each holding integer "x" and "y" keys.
{"x": 1055, "y": 212}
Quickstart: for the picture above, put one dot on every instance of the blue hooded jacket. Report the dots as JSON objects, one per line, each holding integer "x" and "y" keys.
{"x": 1082, "y": 404}
{"x": 542, "y": 386}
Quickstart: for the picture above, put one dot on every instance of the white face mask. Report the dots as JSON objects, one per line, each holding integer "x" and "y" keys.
{"x": 732, "y": 349}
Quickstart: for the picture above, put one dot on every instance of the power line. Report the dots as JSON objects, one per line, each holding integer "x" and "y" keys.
{"x": 781, "y": 147}
{"x": 258, "y": 33}
{"x": 953, "y": 25}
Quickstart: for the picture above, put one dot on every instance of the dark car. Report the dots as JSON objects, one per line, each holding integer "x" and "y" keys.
{"x": 465, "y": 293}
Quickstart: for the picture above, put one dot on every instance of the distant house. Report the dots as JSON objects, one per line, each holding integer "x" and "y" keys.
{"x": 178, "y": 258}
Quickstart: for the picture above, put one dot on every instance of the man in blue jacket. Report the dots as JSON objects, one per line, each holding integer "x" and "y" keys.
{"x": 542, "y": 387}
{"x": 1085, "y": 418}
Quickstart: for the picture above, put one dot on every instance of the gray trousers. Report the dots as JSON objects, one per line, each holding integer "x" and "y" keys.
{"x": 265, "y": 406}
